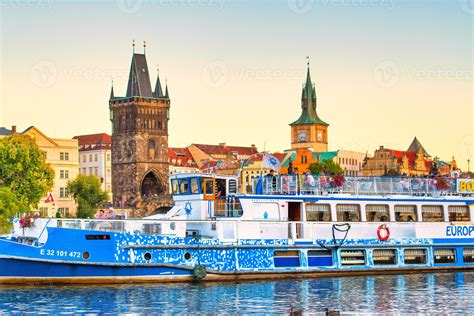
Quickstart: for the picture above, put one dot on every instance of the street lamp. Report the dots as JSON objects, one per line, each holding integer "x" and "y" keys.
{"x": 468, "y": 169}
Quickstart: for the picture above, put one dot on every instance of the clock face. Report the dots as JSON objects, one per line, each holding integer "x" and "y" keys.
{"x": 302, "y": 136}
{"x": 320, "y": 135}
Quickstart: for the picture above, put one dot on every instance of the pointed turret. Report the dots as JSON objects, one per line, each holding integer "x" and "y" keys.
{"x": 167, "y": 96}
{"x": 308, "y": 104}
{"x": 416, "y": 146}
{"x": 139, "y": 80}
{"x": 112, "y": 91}
{"x": 158, "y": 91}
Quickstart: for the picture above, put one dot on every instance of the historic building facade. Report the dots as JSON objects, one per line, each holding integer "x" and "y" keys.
{"x": 140, "y": 142}
{"x": 413, "y": 161}
{"x": 309, "y": 131}
{"x": 63, "y": 156}
{"x": 95, "y": 158}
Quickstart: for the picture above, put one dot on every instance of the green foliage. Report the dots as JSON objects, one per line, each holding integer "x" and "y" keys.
{"x": 88, "y": 194}
{"x": 326, "y": 166}
{"x": 24, "y": 170}
{"x": 9, "y": 206}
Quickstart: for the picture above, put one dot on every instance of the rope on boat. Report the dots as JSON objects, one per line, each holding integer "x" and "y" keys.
{"x": 343, "y": 228}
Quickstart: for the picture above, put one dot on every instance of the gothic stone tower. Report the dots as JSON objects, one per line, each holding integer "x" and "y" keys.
{"x": 139, "y": 140}
{"x": 309, "y": 131}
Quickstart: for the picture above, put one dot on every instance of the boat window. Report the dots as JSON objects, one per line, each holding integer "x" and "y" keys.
{"x": 320, "y": 258}
{"x": 459, "y": 213}
{"x": 194, "y": 185}
{"x": 385, "y": 256}
{"x": 468, "y": 255}
{"x": 377, "y": 213}
{"x": 289, "y": 258}
{"x": 405, "y": 213}
{"x": 318, "y": 212}
{"x": 183, "y": 186}
{"x": 353, "y": 257}
{"x": 174, "y": 186}
{"x": 220, "y": 187}
{"x": 348, "y": 212}
{"x": 232, "y": 186}
{"x": 432, "y": 213}
{"x": 152, "y": 229}
{"x": 442, "y": 255}
{"x": 415, "y": 256}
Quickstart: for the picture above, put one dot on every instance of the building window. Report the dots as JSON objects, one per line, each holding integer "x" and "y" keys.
{"x": 84, "y": 158}
{"x": 108, "y": 170}
{"x": 90, "y": 157}
{"x": 432, "y": 213}
{"x": 108, "y": 156}
{"x": 64, "y": 211}
{"x": 45, "y": 154}
{"x": 84, "y": 171}
{"x": 43, "y": 211}
{"x": 95, "y": 157}
{"x": 64, "y": 174}
{"x": 96, "y": 171}
{"x": 348, "y": 212}
{"x": 377, "y": 213}
{"x": 63, "y": 156}
{"x": 318, "y": 212}
{"x": 458, "y": 213}
{"x": 91, "y": 170}
{"x": 63, "y": 192}
{"x": 405, "y": 213}
{"x": 61, "y": 174}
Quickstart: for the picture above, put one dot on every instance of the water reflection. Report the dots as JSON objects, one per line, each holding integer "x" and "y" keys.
{"x": 443, "y": 293}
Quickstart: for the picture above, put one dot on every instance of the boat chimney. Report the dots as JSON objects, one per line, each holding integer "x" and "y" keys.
{"x": 14, "y": 129}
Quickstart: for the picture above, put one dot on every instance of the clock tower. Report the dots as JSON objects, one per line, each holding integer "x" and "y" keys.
{"x": 309, "y": 131}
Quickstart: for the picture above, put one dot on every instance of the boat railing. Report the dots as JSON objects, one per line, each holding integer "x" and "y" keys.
{"x": 322, "y": 185}
{"x": 226, "y": 230}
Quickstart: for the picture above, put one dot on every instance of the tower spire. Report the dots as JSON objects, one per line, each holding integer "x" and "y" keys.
{"x": 133, "y": 45}
{"x": 167, "y": 96}
{"x": 112, "y": 90}
{"x": 144, "y": 47}
{"x": 158, "y": 93}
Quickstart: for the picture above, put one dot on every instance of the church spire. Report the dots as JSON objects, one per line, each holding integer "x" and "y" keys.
{"x": 139, "y": 80}
{"x": 158, "y": 91}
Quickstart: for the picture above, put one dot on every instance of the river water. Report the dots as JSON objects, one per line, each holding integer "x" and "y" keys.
{"x": 394, "y": 294}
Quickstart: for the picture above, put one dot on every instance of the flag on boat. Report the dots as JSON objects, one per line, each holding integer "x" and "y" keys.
{"x": 271, "y": 162}
{"x": 49, "y": 199}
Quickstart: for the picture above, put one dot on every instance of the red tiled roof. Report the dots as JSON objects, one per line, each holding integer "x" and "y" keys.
{"x": 224, "y": 149}
{"x": 180, "y": 157}
{"x": 94, "y": 141}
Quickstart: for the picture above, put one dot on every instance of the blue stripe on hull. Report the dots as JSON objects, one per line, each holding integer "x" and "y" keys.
{"x": 23, "y": 268}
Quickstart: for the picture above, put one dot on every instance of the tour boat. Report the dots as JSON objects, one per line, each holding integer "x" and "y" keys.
{"x": 286, "y": 226}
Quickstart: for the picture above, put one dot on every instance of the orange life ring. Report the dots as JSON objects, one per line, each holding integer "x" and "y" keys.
{"x": 383, "y": 233}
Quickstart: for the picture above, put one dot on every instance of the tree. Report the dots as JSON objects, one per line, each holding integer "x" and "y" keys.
{"x": 9, "y": 206}
{"x": 88, "y": 194}
{"x": 327, "y": 166}
{"x": 24, "y": 170}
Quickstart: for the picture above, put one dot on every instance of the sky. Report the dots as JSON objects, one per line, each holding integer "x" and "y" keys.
{"x": 385, "y": 70}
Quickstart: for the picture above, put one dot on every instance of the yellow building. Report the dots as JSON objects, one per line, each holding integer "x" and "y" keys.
{"x": 309, "y": 131}
{"x": 63, "y": 156}
{"x": 414, "y": 161}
